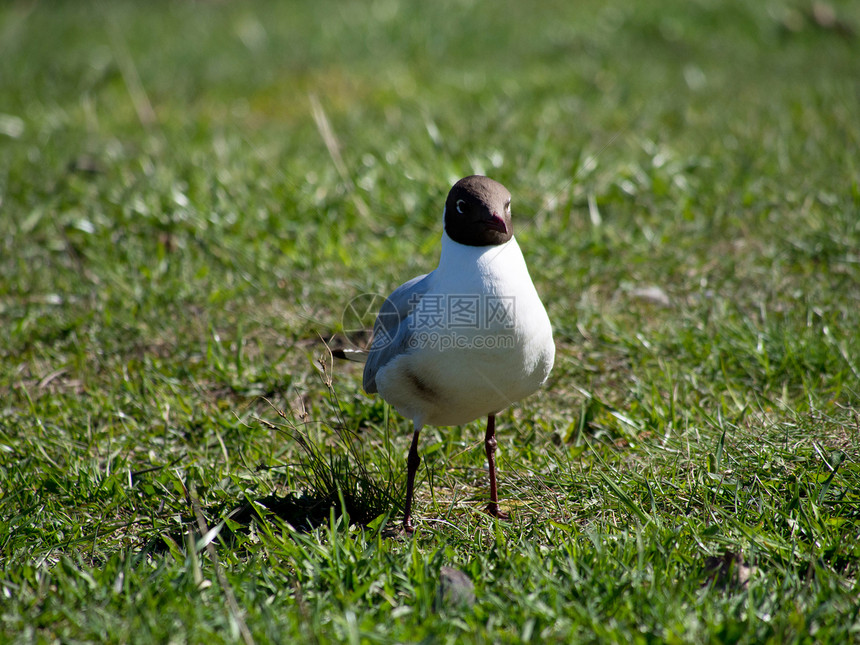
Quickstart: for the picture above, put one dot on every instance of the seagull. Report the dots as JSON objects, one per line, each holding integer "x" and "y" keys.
{"x": 468, "y": 339}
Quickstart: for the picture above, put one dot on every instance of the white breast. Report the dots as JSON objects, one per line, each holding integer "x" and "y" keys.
{"x": 481, "y": 339}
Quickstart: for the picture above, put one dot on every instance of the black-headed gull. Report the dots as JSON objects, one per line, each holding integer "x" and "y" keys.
{"x": 468, "y": 339}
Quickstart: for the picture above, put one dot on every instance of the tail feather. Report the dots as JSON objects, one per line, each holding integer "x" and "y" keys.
{"x": 354, "y": 355}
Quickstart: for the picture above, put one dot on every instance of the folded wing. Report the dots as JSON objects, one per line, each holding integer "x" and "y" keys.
{"x": 391, "y": 331}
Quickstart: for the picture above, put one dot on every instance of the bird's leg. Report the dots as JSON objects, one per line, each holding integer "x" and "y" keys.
{"x": 490, "y": 445}
{"x": 412, "y": 462}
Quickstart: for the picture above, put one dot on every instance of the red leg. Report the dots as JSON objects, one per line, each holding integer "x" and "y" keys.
{"x": 490, "y": 445}
{"x": 412, "y": 462}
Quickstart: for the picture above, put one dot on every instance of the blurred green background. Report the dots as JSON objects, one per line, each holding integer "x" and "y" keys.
{"x": 192, "y": 192}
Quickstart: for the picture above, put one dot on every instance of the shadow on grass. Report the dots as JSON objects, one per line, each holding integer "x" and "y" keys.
{"x": 339, "y": 477}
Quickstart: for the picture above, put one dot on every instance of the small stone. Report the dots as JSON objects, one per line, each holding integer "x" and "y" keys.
{"x": 456, "y": 589}
{"x": 653, "y": 294}
{"x": 728, "y": 570}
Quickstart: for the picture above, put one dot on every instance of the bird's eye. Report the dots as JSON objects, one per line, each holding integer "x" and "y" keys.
{"x": 508, "y": 206}
{"x": 460, "y": 205}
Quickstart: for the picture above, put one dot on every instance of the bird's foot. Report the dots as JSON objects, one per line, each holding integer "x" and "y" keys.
{"x": 493, "y": 509}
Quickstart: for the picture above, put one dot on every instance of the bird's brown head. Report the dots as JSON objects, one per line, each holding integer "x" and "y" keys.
{"x": 478, "y": 212}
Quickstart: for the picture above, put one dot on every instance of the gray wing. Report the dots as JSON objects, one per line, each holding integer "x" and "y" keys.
{"x": 390, "y": 331}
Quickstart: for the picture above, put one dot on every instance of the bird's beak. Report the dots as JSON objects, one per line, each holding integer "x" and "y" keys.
{"x": 496, "y": 223}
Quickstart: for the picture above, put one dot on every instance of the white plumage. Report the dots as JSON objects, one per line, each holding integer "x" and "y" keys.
{"x": 468, "y": 339}
{"x": 439, "y": 375}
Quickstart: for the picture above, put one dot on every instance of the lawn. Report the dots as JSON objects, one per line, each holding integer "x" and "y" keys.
{"x": 191, "y": 193}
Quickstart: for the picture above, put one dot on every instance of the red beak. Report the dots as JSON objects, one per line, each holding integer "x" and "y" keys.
{"x": 496, "y": 223}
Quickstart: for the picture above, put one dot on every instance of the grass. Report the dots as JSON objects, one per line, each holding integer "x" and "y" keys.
{"x": 190, "y": 195}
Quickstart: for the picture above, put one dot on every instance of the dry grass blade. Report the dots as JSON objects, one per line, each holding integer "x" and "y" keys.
{"x": 333, "y": 147}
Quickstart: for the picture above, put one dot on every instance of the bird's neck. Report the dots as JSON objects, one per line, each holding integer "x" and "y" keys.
{"x": 462, "y": 262}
